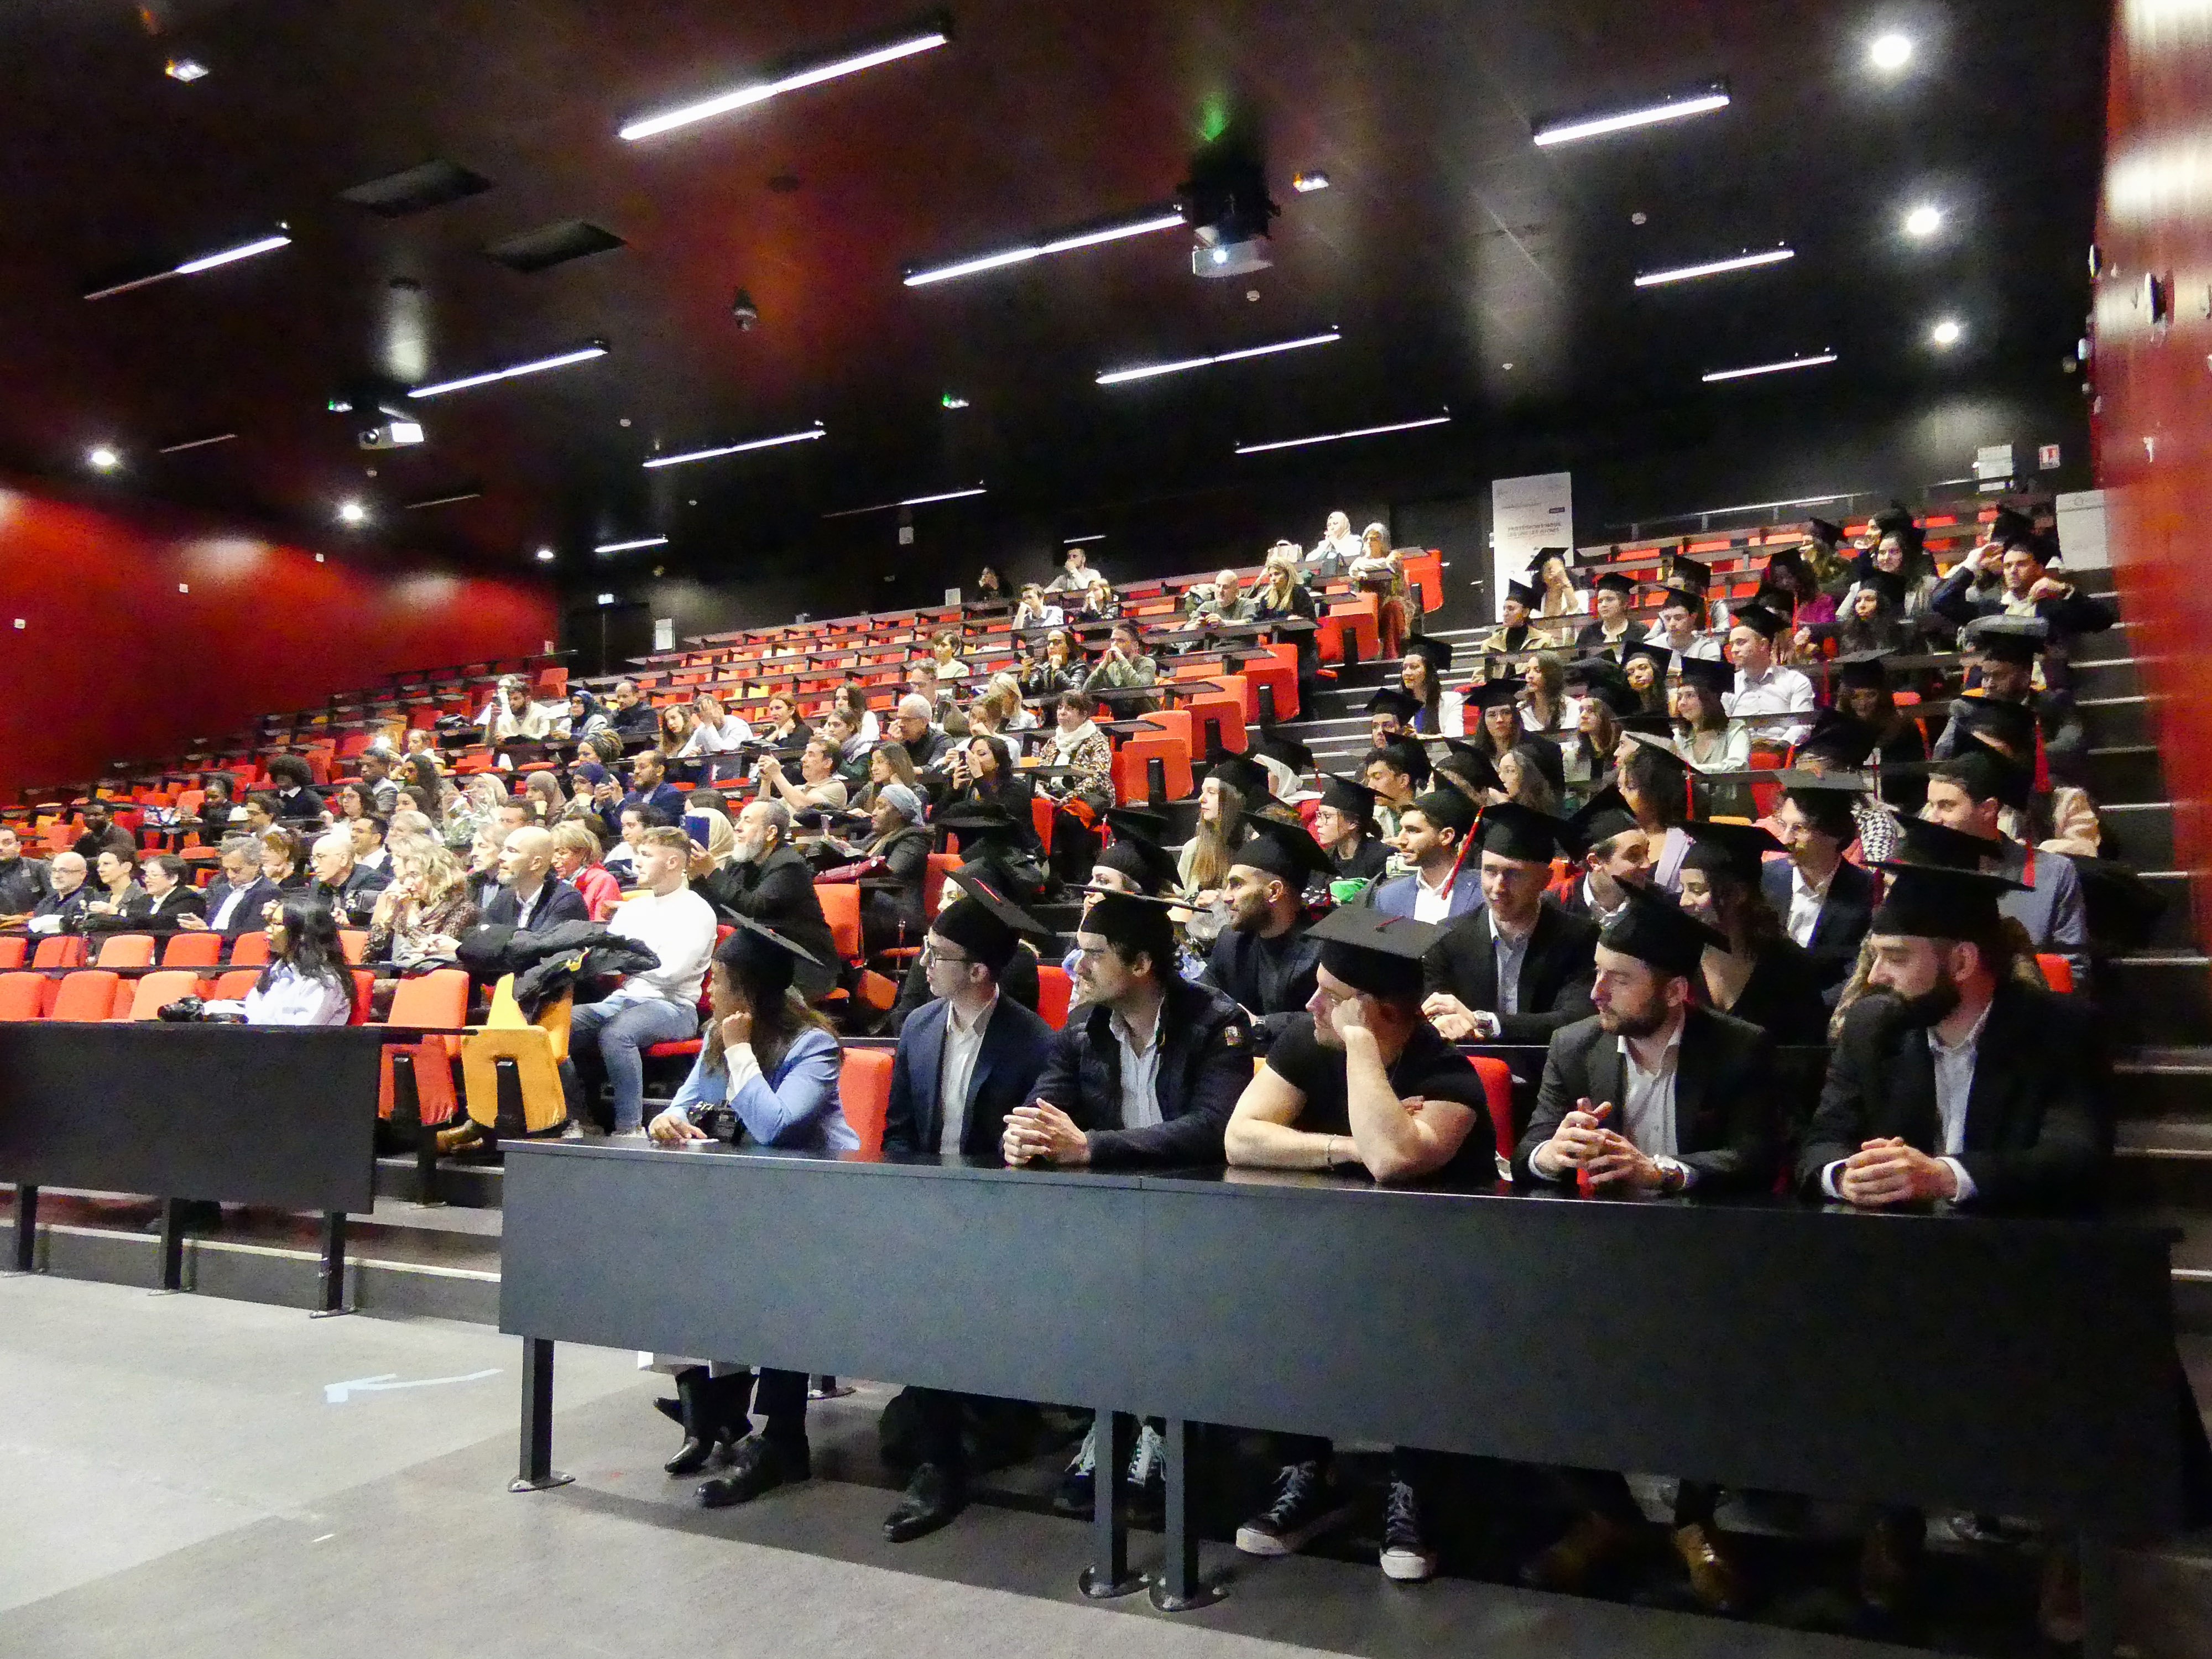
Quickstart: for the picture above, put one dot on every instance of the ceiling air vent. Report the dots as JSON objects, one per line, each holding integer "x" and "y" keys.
{"x": 418, "y": 189}
{"x": 552, "y": 244}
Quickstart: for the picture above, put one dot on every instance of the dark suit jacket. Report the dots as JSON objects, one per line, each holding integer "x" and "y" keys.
{"x": 1727, "y": 1114}
{"x": 1015, "y": 1045}
{"x": 779, "y": 893}
{"x": 563, "y": 903}
{"x": 1592, "y": 637}
{"x": 2039, "y": 1124}
{"x": 163, "y": 913}
{"x": 356, "y": 900}
{"x": 24, "y": 883}
{"x": 1845, "y": 914}
{"x": 1206, "y": 1061}
{"x": 1783, "y": 996}
{"x": 1396, "y": 896}
{"x": 246, "y": 916}
{"x": 1556, "y": 971}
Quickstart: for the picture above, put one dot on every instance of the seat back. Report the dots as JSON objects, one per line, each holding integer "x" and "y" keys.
{"x": 20, "y": 995}
{"x": 233, "y": 985}
{"x": 14, "y": 950}
{"x": 86, "y": 994}
{"x": 2058, "y": 972}
{"x": 932, "y": 885}
{"x": 864, "y": 1088}
{"x": 154, "y": 992}
{"x": 200, "y": 950}
{"x": 354, "y": 943}
{"x": 250, "y": 950}
{"x": 126, "y": 950}
{"x": 59, "y": 950}
{"x": 439, "y": 1000}
{"x": 841, "y": 908}
{"x": 1498, "y": 1088}
{"x": 364, "y": 996}
{"x": 1055, "y": 991}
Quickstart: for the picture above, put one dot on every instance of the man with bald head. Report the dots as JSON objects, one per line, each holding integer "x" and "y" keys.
{"x": 349, "y": 889}
{"x": 62, "y": 910}
{"x": 530, "y": 897}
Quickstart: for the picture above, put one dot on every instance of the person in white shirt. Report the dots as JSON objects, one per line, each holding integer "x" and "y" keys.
{"x": 511, "y": 714}
{"x": 714, "y": 734}
{"x": 1336, "y": 549}
{"x": 662, "y": 1005}
{"x": 1077, "y": 576}
{"x": 1680, "y": 611}
{"x": 1034, "y": 611}
{"x": 305, "y": 982}
{"x": 1778, "y": 701}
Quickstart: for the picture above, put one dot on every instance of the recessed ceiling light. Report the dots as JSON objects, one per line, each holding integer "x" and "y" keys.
{"x": 352, "y": 513}
{"x": 1923, "y": 221}
{"x": 814, "y": 74}
{"x": 1814, "y": 361}
{"x": 545, "y": 556}
{"x": 1566, "y": 131}
{"x": 1116, "y": 377}
{"x": 954, "y": 400}
{"x": 800, "y": 437}
{"x": 1332, "y": 437}
{"x": 1306, "y": 183}
{"x": 535, "y": 366}
{"x": 102, "y": 458}
{"x": 1113, "y": 231}
{"x": 1890, "y": 52}
{"x": 1947, "y": 332}
{"x": 1773, "y": 256}
{"x": 186, "y": 69}
{"x": 191, "y": 267}
{"x": 631, "y": 547}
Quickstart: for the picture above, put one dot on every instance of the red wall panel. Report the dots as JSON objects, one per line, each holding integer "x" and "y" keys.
{"x": 137, "y": 637}
{"x": 2153, "y": 383}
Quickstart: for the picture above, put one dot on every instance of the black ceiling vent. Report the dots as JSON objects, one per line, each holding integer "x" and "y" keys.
{"x": 552, "y": 244}
{"x": 418, "y": 189}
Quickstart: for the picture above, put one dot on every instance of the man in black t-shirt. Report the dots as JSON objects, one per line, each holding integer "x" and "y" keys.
{"x": 1361, "y": 1081}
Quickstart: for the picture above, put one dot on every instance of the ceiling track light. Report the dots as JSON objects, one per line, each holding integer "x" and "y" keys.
{"x": 1118, "y": 377}
{"x": 196, "y": 443}
{"x": 535, "y": 366}
{"x": 1923, "y": 221}
{"x": 939, "y": 33}
{"x": 352, "y": 513}
{"x": 1566, "y": 130}
{"x": 1333, "y": 437}
{"x": 800, "y": 437}
{"x": 911, "y": 501}
{"x": 1773, "y": 256}
{"x": 1814, "y": 361}
{"x": 205, "y": 262}
{"x": 1890, "y": 52}
{"x": 625, "y": 547}
{"x": 442, "y": 500}
{"x": 1113, "y": 230}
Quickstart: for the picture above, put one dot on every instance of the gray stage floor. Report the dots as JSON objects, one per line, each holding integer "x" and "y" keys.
{"x": 179, "y": 1480}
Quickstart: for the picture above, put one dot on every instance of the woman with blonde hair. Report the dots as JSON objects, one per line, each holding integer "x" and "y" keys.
{"x": 576, "y": 855}
{"x": 420, "y": 918}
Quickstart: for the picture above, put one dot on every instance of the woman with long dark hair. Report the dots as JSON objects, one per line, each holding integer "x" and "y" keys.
{"x": 1654, "y": 781}
{"x": 1420, "y": 673}
{"x": 1763, "y": 975}
{"x": 305, "y": 982}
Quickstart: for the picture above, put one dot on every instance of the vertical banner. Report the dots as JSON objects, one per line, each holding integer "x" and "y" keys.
{"x": 1525, "y": 514}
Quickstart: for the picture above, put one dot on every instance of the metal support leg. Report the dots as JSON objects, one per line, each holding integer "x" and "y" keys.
{"x": 1178, "y": 1589}
{"x": 1267, "y": 705}
{"x": 1108, "y": 1573}
{"x": 330, "y": 1297}
{"x": 1156, "y": 781}
{"x": 2100, "y": 1599}
{"x": 173, "y": 1244}
{"x": 538, "y": 1473}
{"x": 26, "y": 1230}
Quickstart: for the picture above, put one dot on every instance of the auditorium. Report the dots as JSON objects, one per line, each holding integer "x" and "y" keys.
{"x": 1229, "y": 828}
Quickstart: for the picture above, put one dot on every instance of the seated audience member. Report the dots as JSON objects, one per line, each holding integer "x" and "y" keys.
{"x": 1265, "y": 960}
{"x": 118, "y": 901}
{"x": 893, "y": 915}
{"x": 1336, "y": 550}
{"x": 483, "y": 868}
{"x": 348, "y": 888}
{"x": 102, "y": 832}
{"x": 716, "y": 738}
{"x": 170, "y": 895}
{"x": 1217, "y": 828}
{"x": 1519, "y": 967}
{"x": 1513, "y": 636}
{"x": 2004, "y": 650}
{"x": 296, "y": 801}
{"x": 376, "y": 779}
{"x": 633, "y": 718}
{"x": 1344, "y": 825}
{"x": 1124, "y": 667}
{"x": 1681, "y": 635}
{"x": 1654, "y": 781}
{"x": 1035, "y": 611}
{"x": 259, "y": 815}
{"x": 941, "y": 693}
{"x": 1378, "y": 570}
{"x": 1083, "y": 790}
{"x": 1059, "y": 668}
{"x": 306, "y": 981}
{"x": 917, "y": 732}
{"x": 1710, "y": 741}
{"x": 543, "y": 791}
{"x": 235, "y": 899}
{"x": 1075, "y": 575}
{"x": 848, "y": 753}
{"x": 369, "y": 836}
{"x": 983, "y": 775}
{"x": 1497, "y": 728}
{"x": 1437, "y": 712}
{"x": 944, "y": 656}
{"x": 1431, "y": 841}
{"x": 888, "y": 763}
{"x": 1391, "y": 712}
{"x": 515, "y": 812}
{"x": 818, "y": 789}
{"x": 1100, "y": 603}
{"x": 219, "y": 806}
{"x": 607, "y": 1038}
{"x": 1760, "y": 975}
{"x": 1222, "y": 601}
{"x": 586, "y": 715}
{"x": 284, "y": 857}
{"x": 576, "y": 861}
{"x": 620, "y": 859}
{"x": 63, "y": 908}
{"x": 531, "y": 897}
{"x": 23, "y": 881}
{"x": 1825, "y": 901}
{"x": 510, "y": 715}
{"x": 1967, "y": 794}
{"x": 2010, "y": 575}
{"x": 1613, "y": 855}
{"x": 1776, "y": 701}
{"x": 418, "y": 921}
{"x": 1653, "y": 1094}
{"x": 772, "y": 1064}
{"x": 767, "y": 880}
{"x": 1397, "y": 772}
{"x": 1280, "y": 596}
{"x": 1532, "y": 774}
{"x": 1614, "y": 630}
{"x": 1361, "y": 1082}
{"x": 1149, "y": 1074}
{"x": 648, "y": 787}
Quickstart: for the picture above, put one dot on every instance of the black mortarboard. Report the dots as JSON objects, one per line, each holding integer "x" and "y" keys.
{"x": 1657, "y": 742}
{"x": 1710, "y": 676}
{"x": 1135, "y": 821}
{"x": 1889, "y": 583}
{"x": 1683, "y": 571}
{"x": 1545, "y": 756}
{"x": 2009, "y": 638}
{"x": 1438, "y": 653}
{"x": 1935, "y": 902}
{"x": 1826, "y": 805}
{"x": 975, "y": 924}
{"x": 1896, "y": 519}
{"x": 974, "y": 821}
{"x": 1983, "y": 773}
{"x": 1134, "y": 926}
{"x": 1657, "y": 650}
{"x": 1395, "y": 700}
{"x": 762, "y": 955}
{"x": 1828, "y": 535}
{"x": 1493, "y": 693}
{"x": 1863, "y": 670}
{"x": 1688, "y": 598}
{"x": 2010, "y": 726}
{"x": 1446, "y": 809}
{"x": 1284, "y": 751}
{"x": 1653, "y": 724}
{"x": 1614, "y": 582}
{"x": 1352, "y": 798}
{"x": 1736, "y": 849}
{"x": 1536, "y": 564}
{"x": 1521, "y": 594}
{"x": 1246, "y": 776}
{"x": 1514, "y": 831}
{"x": 1653, "y": 928}
{"x": 1469, "y": 764}
{"x": 1757, "y": 618}
{"x": 1925, "y": 842}
{"x": 1283, "y": 850}
{"x": 2011, "y": 525}
{"x": 1838, "y": 738}
{"x": 1140, "y": 859}
{"x": 1603, "y": 817}
{"x": 1373, "y": 952}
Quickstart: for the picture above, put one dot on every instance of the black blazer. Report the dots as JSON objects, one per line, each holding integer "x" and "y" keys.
{"x": 1015, "y": 1045}
{"x": 1846, "y": 915}
{"x": 563, "y": 903}
{"x": 154, "y": 915}
{"x": 1727, "y": 1112}
{"x": 135, "y": 901}
{"x": 2039, "y": 1118}
{"x": 779, "y": 893}
{"x": 246, "y": 916}
{"x": 355, "y": 901}
{"x": 1782, "y": 996}
{"x": 1556, "y": 971}
{"x": 1206, "y": 1061}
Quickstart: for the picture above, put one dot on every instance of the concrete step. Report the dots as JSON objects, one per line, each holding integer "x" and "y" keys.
{"x": 2113, "y": 642}
{"x": 2176, "y": 927}
{"x": 2139, "y": 832}
{"x": 2116, "y": 720}
{"x": 2156, "y": 998}
{"x": 2114, "y": 676}
{"x": 2124, "y": 772}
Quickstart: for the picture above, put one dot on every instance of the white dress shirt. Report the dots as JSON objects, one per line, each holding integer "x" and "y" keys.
{"x": 1140, "y": 1070}
{"x": 1779, "y": 693}
{"x": 1432, "y": 903}
{"x": 956, "y": 1069}
{"x": 1805, "y": 902}
{"x": 221, "y": 919}
{"x": 1509, "y": 953}
{"x": 1644, "y": 1115}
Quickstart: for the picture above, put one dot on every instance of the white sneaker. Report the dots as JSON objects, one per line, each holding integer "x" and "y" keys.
{"x": 571, "y": 1130}
{"x": 1406, "y": 1558}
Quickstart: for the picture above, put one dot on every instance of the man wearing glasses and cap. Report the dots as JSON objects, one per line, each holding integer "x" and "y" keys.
{"x": 1264, "y": 960}
{"x": 1778, "y": 701}
{"x": 1343, "y": 824}
{"x": 1519, "y": 967}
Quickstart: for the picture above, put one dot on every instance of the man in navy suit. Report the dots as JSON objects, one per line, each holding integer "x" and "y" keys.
{"x": 1825, "y": 903}
{"x": 235, "y": 903}
{"x": 1431, "y": 832}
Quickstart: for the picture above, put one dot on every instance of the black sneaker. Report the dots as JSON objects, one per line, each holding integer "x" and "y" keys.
{"x": 1305, "y": 1503}
{"x": 1148, "y": 1478}
{"x": 1077, "y": 1492}
{"x": 1406, "y": 1556}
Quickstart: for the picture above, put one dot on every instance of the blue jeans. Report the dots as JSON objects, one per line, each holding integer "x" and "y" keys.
{"x": 608, "y": 1039}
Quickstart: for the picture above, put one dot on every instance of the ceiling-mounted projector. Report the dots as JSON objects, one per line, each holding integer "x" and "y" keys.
{"x": 1225, "y": 199}
{"x": 1218, "y": 255}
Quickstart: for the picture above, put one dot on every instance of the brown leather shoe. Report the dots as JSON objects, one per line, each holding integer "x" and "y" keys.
{"x": 1714, "y": 1578}
{"x": 463, "y": 1135}
{"x": 1593, "y": 1543}
{"x": 1889, "y": 1563}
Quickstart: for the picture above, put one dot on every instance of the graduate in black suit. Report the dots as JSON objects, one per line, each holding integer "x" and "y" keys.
{"x": 1761, "y": 974}
{"x": 1823, "y": 900}
{"x": 1614, "y": 630}
{"x": 1263, "y": 961}
{"x": 1519, "y": 967}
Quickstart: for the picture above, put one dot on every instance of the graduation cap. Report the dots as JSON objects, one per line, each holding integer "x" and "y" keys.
{"x": 1542, "y": 554}
{"x": 1863, "y": 670}
{"x": 1521, "y": 595}
{"x": 763, "y": 956}
{"x": 2009, "y": 638}
{"x": 1614, "y": 582}
{"x": 1467, "y": 764}
{"x": 1933, "y": 901}
{"x": 1395, "y": 700}
{"x": 1839, "y": 738}
{"x": 1284, "y": 850}
{"x": 1686, "y": 572}
{"x": 1657, "y": 742}
{"x": 1284, "y": 751}
{"x": 1376, "y": 953}
{"x": 1656, "y": 652}
{"x": 984, "y": 923}
{"x": 977, "y": 822}
{"x": 1896, "y": 519}
{"x": 2007, "y": 726}
{"x": 1245, "y": 775}
{"x": 1983, "y": 772}
{"x": 1544, "y": 754}
{"x": 1889, "y": 583}
{"x": 1603, "y": 817}
{"x": 1446, "y": 809}
{"x": 1438, "y": 653}
{"x": 1827, "y": 805}
{"x": 2011, "y": 525}
{"x": 1819, "y": 530}
{"x": 1514, "y": 831}
{"x": 1133, "y": 925}
{"x": 1348, "y": 796}
{"x": 1140, "y": 859}
{"x": 1761, "y": 621}
{"x": 1735, "y": 849}
{"x": 1407, "y": 753}
{"x": 1654, "y": 929}
{"x": 1711, "y": 677}
{"x": 1690, "y": 599}
{"x": 1135, "y": 821}
{"x": 1494, "y": 693}
{"x": 1925, "y": 843}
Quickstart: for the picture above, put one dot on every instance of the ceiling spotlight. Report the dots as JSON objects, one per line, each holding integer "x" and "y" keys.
{"x": 101, "y": 458}
{"x": 1332, "y": 437}
{"x": 352, "y": 513}
{"x": 1814, "y": 361}
{"x": 629, "y": 547}
{"x": 192, "y": 267}
{"x": 1110, "y": 231}
{"x": 1890, "y": 52}
{"x": 1306, "y": 183}
{"x": 1923, "y": 221}
{"x": 743, "y": 308}
{"x": 186, "y": 69}
{"x": 1702, "y": 101}
{"x": 1947, "y": 332}
{"x": 545, "y": 556}
{"x": 1116, "y": 377}
{"x": 1773, "y": 256}
{"x": 812, "y": 75}
{"x": 515, "y": 371}
{"x": 718, "y": 450}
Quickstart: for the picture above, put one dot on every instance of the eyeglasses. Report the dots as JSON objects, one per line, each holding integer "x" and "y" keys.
{"x": 930, "y": 952}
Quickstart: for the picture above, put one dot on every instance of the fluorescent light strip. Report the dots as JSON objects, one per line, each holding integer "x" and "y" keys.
{"x": 814, "y": 431}
{"x": 1077, "y": 541}
{"x": 196, "y": 443}
{"x": 1116, "y": 377}
{"x": 723, "y": 103}
{"x": 631, "y": 547}
{"x": 1773, "y": 256}
{"x": 911, "y": 501}
{"x": 189, "y": 267}
{"x": 1596, "y": 126}
{"x": 1768, "y": 369}
{"x": 1150, "y": 222}
{"x": 535, "y": 366}
{"x": 442, "y": 500}
{"x": 1332, "y": 437}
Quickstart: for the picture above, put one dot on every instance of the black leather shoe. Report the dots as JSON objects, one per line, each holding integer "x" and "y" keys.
{"x": 757, "y": 1465}
{"x": 932, "y": 1498}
